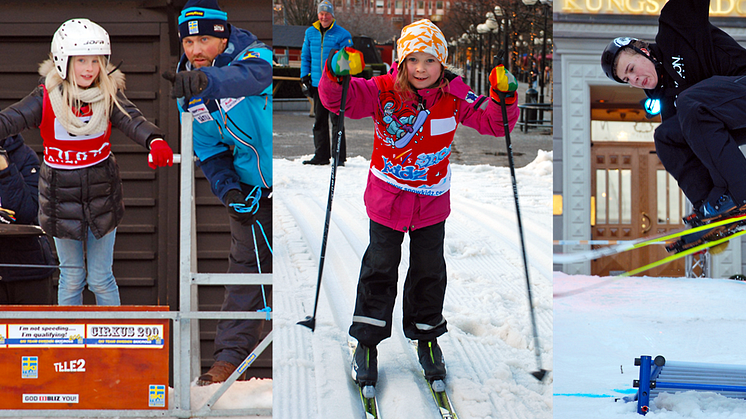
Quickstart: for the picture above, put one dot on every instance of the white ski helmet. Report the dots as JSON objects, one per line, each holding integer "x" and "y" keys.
{"x": 78, "y": 37}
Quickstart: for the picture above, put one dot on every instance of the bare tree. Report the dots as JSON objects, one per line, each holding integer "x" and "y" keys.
{"x": 359, "y": 23}
{"x": 464, "y": 16}
{"x": 295, "y": 12}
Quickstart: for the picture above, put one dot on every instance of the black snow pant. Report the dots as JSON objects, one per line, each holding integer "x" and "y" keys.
{"x": 424, "y": 287}
{"x": 236, "y": 339}
{"x": 712, "y": 118}
{"x": 321, "y": 143}
{"x": 681, "y": 162}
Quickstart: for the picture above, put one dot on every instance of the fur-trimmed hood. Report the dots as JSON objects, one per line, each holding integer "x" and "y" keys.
{"x": 46, "y": 68}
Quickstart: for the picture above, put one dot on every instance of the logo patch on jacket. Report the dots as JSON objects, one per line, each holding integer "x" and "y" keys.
{"x": 249, "y": 54}
{"x": 678, "y": 64}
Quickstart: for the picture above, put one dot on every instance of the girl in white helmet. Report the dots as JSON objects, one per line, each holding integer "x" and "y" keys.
{"x": 78, "y": 100}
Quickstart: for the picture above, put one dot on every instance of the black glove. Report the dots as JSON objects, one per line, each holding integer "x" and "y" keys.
{"x": 243, "y": 208}
{"x": 186, "y": 83}
{"x": 306, "y": 80}
{"x": 7, "y": 216}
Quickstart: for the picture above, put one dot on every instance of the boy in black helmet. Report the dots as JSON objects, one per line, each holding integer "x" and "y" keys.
{"x": 695, "y": 70}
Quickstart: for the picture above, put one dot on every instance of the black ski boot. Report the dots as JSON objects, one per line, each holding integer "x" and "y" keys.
{"x": 365, "y": 369}
{"x": 431, "y": 359}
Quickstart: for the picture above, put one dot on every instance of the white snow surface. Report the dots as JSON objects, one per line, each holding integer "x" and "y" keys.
{"x": 489, "y": 348}
{"x": 602, "y": 324}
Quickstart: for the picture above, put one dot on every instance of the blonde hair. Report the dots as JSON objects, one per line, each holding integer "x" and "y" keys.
{"x": 405, "y": 88}
{"x": 104, "y": 81}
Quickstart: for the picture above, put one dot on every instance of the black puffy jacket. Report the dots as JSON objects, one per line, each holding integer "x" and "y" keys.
{"x": 691, "y": 49}
{"x": 18, "y": 192}
{"x": 71, "y": 201}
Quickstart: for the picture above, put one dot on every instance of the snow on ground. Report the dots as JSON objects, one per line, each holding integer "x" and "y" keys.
{"x": 489, "y": 348}
{"x": 599, "y": 331}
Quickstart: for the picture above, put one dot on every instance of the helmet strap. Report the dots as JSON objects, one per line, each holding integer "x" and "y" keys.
{"x": 646, "y": 53}
{"x": 116, "y": 68}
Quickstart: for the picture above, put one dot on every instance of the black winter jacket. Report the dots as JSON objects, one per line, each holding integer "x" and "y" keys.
{"x": 690, "y": 49}
{"x": 71, "y": 201}
{"x": 18, "y": 192}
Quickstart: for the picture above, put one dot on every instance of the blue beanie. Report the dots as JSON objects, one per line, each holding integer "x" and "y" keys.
{"x": 326, "y": 6}
{"x": 203, "y": 17}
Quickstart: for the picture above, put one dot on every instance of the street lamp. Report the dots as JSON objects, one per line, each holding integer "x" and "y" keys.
{"x": 469, "y": 59}
{"x": 481, "y": 29}
{"x": 491, "y": 26}
{"x": 542, "y": 78}
{"x": 529, "y": 61}
{"x": 506, "y": 29}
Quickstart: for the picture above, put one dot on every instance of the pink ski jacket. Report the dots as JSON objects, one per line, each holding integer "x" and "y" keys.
{"x": 386, "y": 202}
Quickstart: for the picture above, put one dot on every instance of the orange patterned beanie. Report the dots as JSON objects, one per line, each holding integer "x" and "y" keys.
{"x": 422, "y": 36}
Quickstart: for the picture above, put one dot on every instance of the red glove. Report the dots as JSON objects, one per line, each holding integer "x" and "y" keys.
{"x": 160, "y": 154}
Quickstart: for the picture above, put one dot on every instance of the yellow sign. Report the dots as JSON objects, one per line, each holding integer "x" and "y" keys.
{"x": 720, "y": 8}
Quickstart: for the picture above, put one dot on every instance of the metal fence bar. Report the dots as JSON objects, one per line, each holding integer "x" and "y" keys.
{"x": 234, "y": 376}
{"x": 93, "y": 413}
{"x": 187, "y": 264}
{"x": 173, "y": 315}
{"x": 231, "y": 279}
{"x": 189, "y": 347}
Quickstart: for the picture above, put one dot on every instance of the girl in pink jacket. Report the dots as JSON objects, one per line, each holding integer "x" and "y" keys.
{"x": 416, "y": 108}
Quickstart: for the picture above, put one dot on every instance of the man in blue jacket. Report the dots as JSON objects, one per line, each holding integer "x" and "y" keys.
{"x": 19, "y": 204}
{"x": 321, "y": 38}
{"x": 224, "y": 79}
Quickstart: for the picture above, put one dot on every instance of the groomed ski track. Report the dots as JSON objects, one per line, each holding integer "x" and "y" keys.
{"x": 489, "y": 348}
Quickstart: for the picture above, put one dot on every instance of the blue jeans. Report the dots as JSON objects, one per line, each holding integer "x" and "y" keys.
{"x": 100, "y": 256}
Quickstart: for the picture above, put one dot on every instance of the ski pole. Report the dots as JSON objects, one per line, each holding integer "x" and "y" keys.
{"x": 541, "y": 373}
{"x": 310, "y": 321}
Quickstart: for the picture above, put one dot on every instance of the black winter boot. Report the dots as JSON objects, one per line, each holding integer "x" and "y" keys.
{"x": 365, "y": 365}
{"x": 431, "y": 359}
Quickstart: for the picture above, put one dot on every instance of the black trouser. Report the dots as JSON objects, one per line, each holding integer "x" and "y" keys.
{"x": 424, "y": 287}
{"x": 323, "y": 150}
{"x": 235, "y": 339}
{"x": 31, "y": 291}
{"x": 680, "y": 161}
{"x": 712, "y": 115}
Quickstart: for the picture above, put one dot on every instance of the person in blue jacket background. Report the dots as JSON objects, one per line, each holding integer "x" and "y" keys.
{"x": 224, "y": 79}
{"x": 322, "y": 37}
{"x": 19, "y": 193}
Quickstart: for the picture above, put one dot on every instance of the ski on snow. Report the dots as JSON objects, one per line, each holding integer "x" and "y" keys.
{"x": 441, "y": 399}
{"x": 370, "y": 405}
{"x": 692, "y": 250}
{"x": 563, "y": 258}
{"x": 437, "y": 390}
